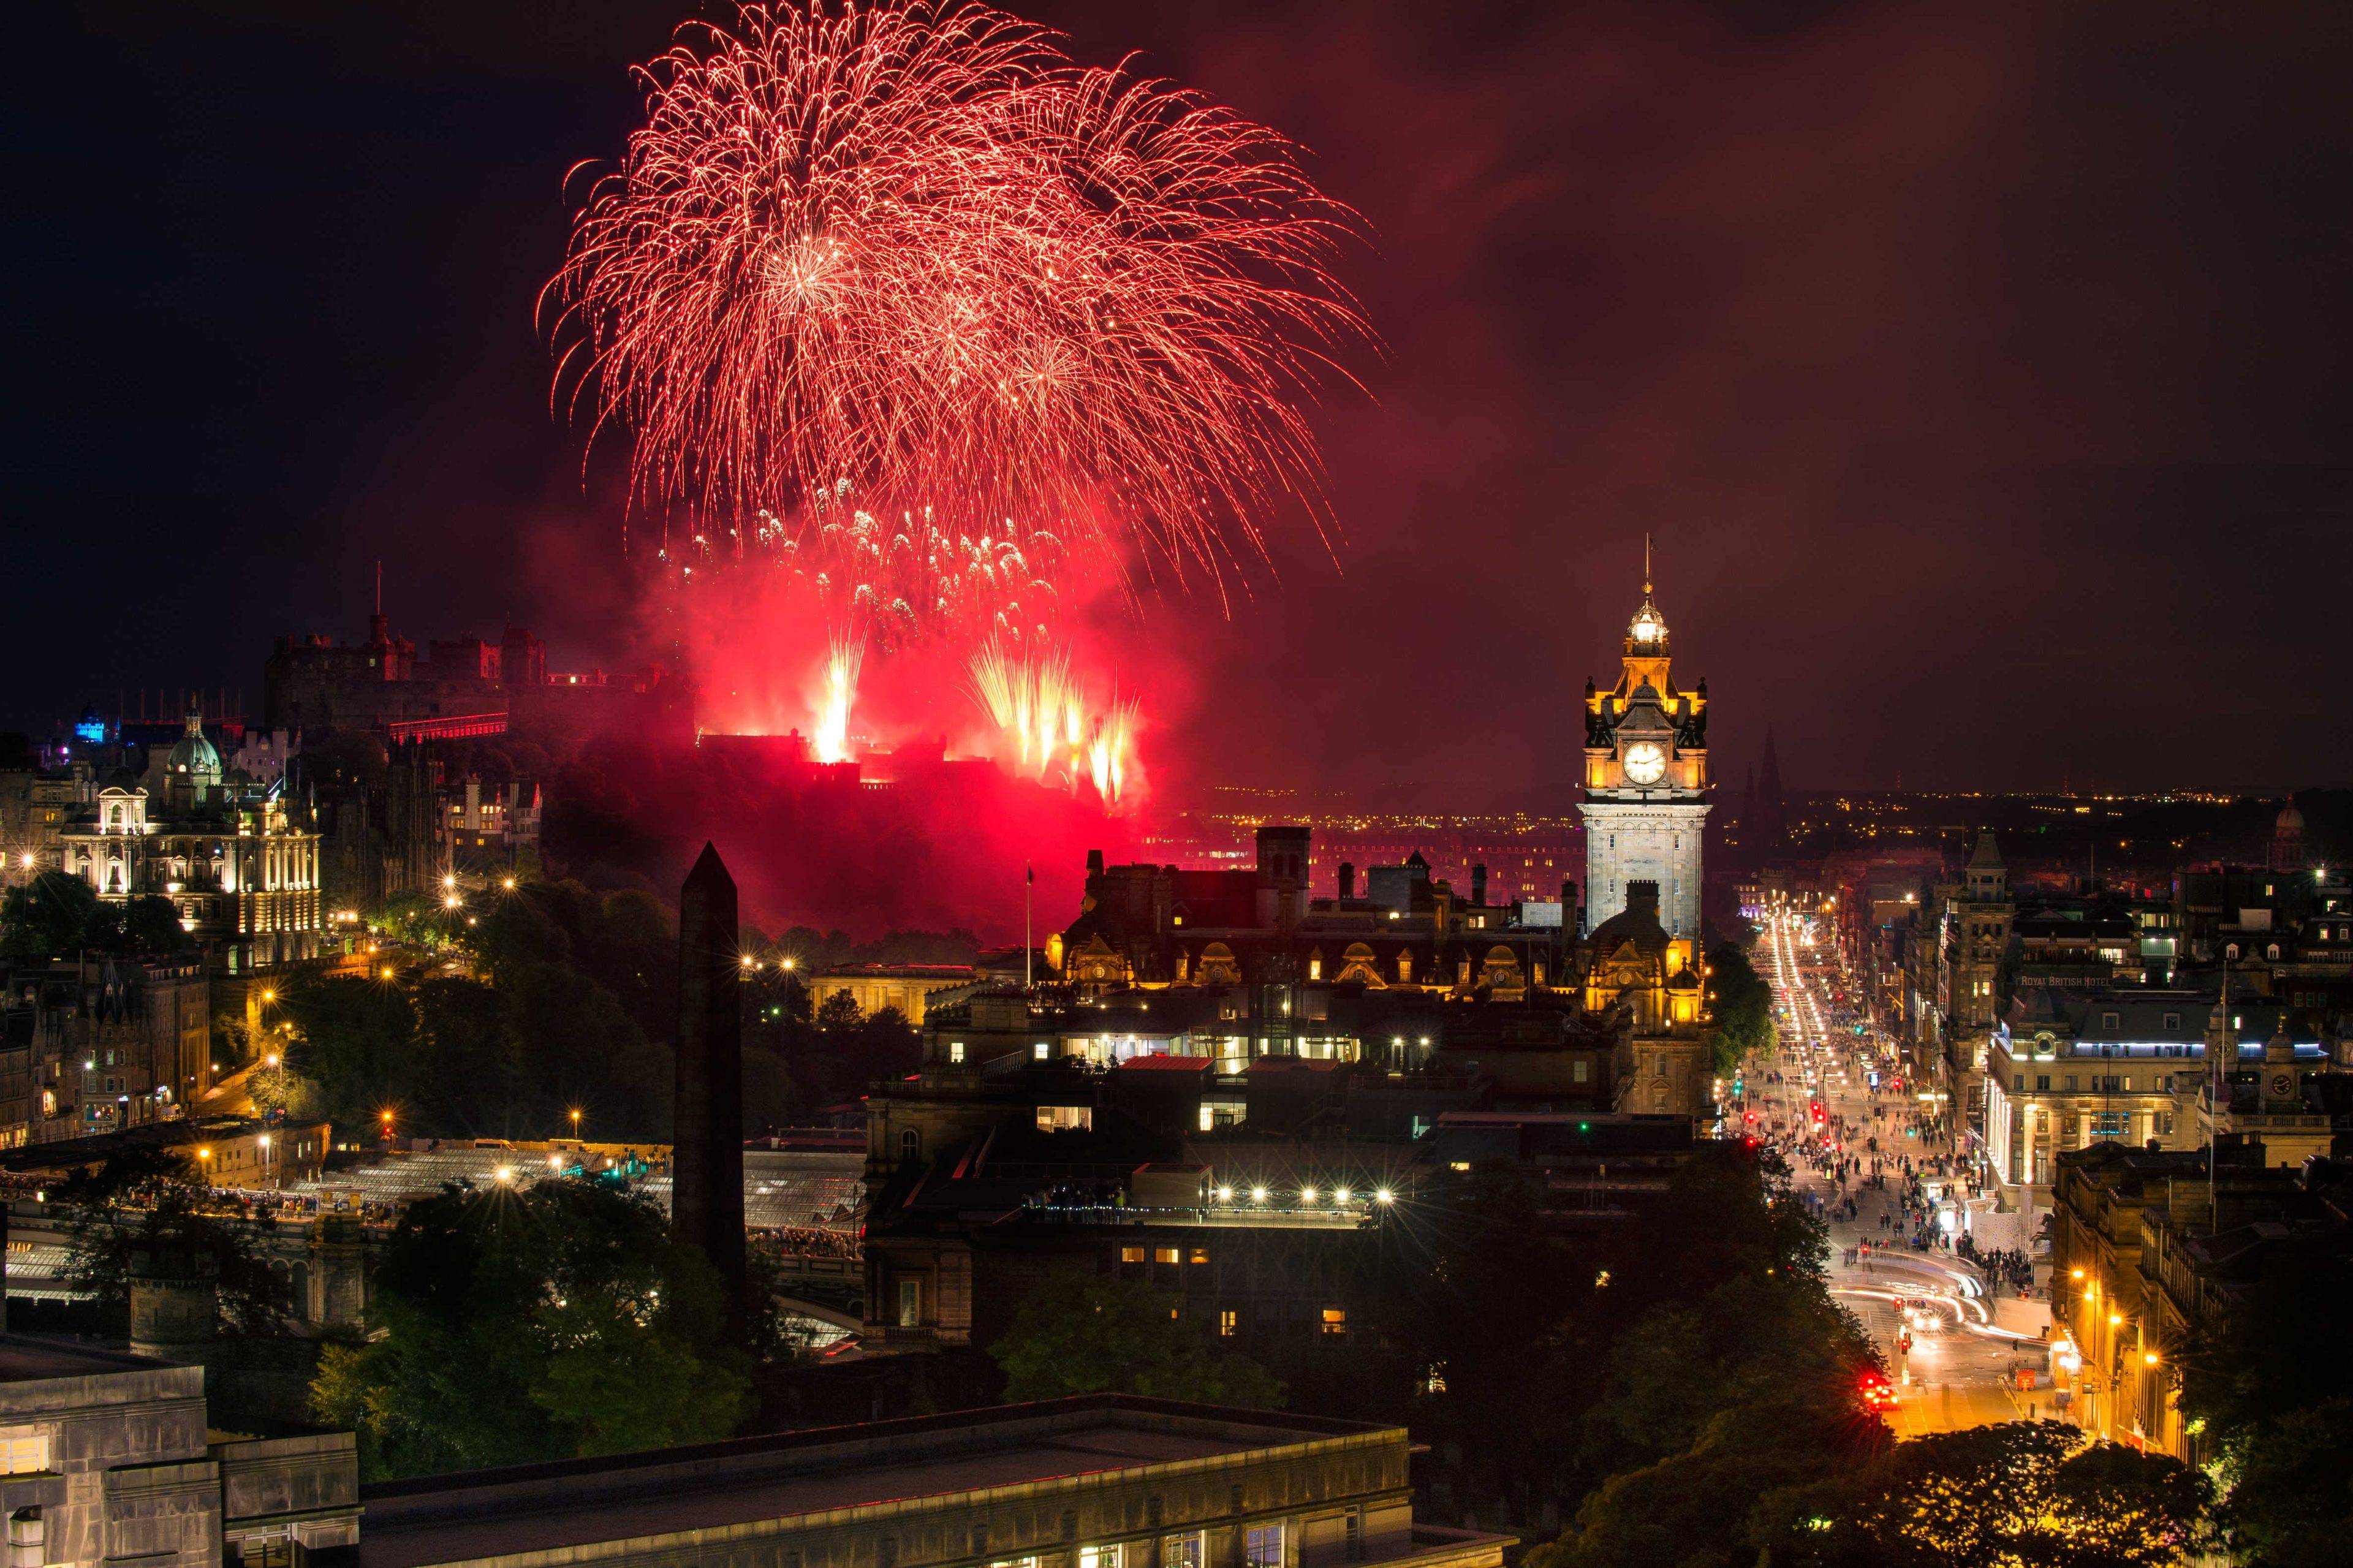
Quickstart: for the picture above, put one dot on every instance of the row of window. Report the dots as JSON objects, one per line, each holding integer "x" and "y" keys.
{"x": 1262, "y": 1547}
{"x": 2097, "y": 1083}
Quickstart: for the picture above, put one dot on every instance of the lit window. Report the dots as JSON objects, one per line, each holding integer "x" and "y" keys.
{"x": 1336, "y": 1319}
{"x": 22, "y": 1451}
{"x": 1099, "y": 1557}
{"x": 1262, "y": 1546}
{"x": 1200, "y": 1255}
{"x": 1131, "y": 1255}
{"x": 1182, "y": 1551}
{"x": 956, "y": 1050}
{"x": 911, "y": 1304}
{"x": 1164, "y": 1255}
{"x": 1227, "y": 1321}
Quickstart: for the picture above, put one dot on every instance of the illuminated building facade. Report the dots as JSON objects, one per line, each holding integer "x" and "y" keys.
{"x": 106, "y": 1043}
{"x": 1634, "y": 966}
{"x": 2131, "y": 1068}
{"x": 907, "y": 988}
{"x": 243, "y": 877}
{"x": 1646, "y": 781}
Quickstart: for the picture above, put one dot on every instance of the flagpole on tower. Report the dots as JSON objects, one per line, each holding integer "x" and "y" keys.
{"x": 1029, "y": 882}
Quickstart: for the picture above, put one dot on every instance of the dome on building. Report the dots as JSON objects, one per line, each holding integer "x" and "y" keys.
{"x": 1647, "y": 629}
{"x": 2290, "y": 821}
{"x": 192, "y": 756}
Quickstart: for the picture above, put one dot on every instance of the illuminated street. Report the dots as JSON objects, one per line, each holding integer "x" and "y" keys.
{"x": 1925, "y": 1309}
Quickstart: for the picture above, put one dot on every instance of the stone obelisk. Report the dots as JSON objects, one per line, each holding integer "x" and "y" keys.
{"x": 707, "y": 1153}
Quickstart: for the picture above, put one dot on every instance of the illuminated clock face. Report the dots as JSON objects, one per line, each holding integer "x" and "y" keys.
{"x": 1645, "y": 763}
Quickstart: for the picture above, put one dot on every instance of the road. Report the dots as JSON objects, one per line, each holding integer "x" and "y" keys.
{"x": 1926, "y": 1309}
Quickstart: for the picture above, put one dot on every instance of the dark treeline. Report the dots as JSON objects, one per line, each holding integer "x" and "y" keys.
{"x": 556, "y": 999}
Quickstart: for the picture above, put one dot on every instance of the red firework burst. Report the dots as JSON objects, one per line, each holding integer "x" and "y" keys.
{"x": 920, "y": 249}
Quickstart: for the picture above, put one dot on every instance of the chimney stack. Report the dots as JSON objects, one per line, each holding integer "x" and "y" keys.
{"x": 1479, "y": 885}
{"x": 1348, "y": 880}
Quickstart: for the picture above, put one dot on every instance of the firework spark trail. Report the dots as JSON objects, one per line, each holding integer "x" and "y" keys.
{"x": 916, "y": 580}
{"x": 919, "y": 249}
{"x": 1054, "y": 723}
{"x": 838, "y": 695}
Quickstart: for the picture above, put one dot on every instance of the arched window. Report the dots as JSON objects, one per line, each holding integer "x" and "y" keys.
{"x": 2271, "y": 952}
{"x": 114, "y": 817}
{"x": 910, "y": 1144}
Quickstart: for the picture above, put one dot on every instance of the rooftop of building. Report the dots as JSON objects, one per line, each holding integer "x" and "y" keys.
{"x": 24, "y": 1359}
{"x": 895, "y": 1466}
{"x": 954, "y": 972}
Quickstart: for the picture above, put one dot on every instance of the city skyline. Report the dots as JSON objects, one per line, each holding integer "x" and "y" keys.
{"x": 1902, "y": 422}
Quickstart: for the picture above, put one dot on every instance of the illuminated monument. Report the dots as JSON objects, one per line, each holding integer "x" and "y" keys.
{"x": 1646, "y": 780}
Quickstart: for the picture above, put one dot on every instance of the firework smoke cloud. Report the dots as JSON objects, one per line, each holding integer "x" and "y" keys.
{"x": 1047, "y": 324}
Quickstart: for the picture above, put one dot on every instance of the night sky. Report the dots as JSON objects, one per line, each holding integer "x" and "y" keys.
{"x": 1982, "y": 371}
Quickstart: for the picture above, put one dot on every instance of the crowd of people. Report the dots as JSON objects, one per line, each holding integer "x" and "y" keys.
{"x": 1893, "y": 1149}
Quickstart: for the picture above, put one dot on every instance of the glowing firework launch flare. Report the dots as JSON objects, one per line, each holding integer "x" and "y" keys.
{"x": 834, "y": 701}
{"x": 1055, "y": 730}
{"x": 920, "y": 249}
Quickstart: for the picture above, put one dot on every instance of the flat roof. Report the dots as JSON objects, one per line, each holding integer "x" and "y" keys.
{"x": 24, "y": 1360}
{"x": 576, "y": 1503}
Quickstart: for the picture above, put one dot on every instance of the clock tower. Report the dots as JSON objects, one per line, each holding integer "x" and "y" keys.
{"x": 1646, "y": 780}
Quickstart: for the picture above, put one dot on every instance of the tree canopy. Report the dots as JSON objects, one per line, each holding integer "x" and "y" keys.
{"x": 2276, "y": 1407}
{"x": 559, "y": 1321}
{"x": 1077, "y": 1334}
{"x": 58, "y": 913}
{"x": 1742, "y": 1005}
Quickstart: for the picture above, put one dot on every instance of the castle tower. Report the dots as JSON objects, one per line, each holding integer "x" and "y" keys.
{"x": 1646, "y": 780}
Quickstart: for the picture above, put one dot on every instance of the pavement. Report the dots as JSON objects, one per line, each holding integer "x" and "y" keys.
{"x": 1958, "y": 1371}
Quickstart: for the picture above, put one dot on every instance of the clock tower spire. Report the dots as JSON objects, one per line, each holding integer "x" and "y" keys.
{"x": 1646, "y": 778}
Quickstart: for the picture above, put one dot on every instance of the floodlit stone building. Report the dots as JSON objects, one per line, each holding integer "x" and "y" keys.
{"x": 242, "y": 874}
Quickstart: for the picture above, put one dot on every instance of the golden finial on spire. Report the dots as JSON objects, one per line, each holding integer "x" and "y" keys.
{"x": 1646, "y": 563}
